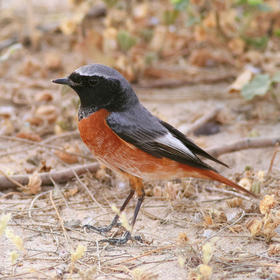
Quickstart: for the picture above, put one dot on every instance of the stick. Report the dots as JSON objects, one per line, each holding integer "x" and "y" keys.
{"x": 200, "y": 122}
{"x": 172, "y": 83}
{"x": 276, "y": 150}
{"x": 243, "y": 144}
{"x": 59, "y": 176}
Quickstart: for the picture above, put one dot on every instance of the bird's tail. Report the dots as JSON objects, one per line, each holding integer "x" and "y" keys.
{"x": 217, "y": 177}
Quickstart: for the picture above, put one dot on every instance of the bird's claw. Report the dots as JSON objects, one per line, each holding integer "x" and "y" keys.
{"x": 98, "y": 229}
{"x": 123, "y": 240}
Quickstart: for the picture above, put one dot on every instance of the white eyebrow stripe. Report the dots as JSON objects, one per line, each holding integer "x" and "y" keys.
{"x": 89, "y": 73}
{"x": 83, "y": 73}
{"x": 171, "y": 141}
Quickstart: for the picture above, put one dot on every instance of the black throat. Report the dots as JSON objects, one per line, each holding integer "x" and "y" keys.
{"x": 85, "y": 112}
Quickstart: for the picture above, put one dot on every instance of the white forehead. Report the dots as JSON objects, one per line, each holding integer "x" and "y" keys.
{"x": 98, "y": 70}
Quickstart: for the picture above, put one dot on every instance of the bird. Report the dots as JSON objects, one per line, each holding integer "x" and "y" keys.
{"x": 124, "y": 136}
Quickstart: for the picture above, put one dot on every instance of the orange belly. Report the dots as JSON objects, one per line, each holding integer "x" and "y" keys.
{"x": 117, "y": 154}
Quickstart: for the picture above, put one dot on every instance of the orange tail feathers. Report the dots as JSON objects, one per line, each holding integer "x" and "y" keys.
{"x": 217, "y": 177}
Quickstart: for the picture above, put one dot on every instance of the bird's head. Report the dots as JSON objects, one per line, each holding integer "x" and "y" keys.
{"x": 100, "y": 86}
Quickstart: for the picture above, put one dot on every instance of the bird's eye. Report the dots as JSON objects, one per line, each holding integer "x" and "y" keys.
{"x": 93, "y": 81}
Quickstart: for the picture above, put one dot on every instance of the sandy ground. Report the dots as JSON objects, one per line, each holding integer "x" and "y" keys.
{"x": 171, "y": 221}
{"x": 191, "y": 229}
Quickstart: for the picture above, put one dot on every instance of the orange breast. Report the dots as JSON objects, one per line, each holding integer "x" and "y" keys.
{"x": 117, "y": 154}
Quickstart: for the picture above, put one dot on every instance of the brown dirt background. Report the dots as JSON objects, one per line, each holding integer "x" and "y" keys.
{"x": 177, "y": 218}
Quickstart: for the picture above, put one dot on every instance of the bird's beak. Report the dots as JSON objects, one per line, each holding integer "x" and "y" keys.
{"x": 63, "y": 81}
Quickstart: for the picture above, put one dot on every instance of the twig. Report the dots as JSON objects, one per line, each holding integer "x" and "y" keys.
{"x": 175, "y": 83}
{"x": 62, "y": 135}
{"x": 276, "y": 150}
{"x": 59, "y": 191}
{"x": 87, "y": 190}
{"x": 243, "y": 144}
{"x": 219, "y": 27}
{"x": 12, "y": 180}
{"x": 228, "y": 192}
{"x": 26, "y": 141}
{"x": 67, "y": 238}
{"x": 59, "y": 176}
{"x": 32, "y": 203}
{"x": 200, "y": 122}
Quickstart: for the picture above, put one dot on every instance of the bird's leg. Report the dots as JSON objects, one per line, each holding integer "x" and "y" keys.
{"x": 116, "y": 218}
{"x": 137, "y": 185}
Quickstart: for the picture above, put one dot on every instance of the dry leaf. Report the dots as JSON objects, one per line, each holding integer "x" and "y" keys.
{"x": 101, "y": 173}
{"x": 246, "y": 183}
{"x": 34, "y": 184}
{"x": 200, "y": 33}
{"x": 70, "y": 159}
{"x": 182, "y": 238}
{"x": 267, "y": 203}
{"x": 47, "y": 112}
{"x": 234, "y": 202}
{"x": 6, "y": 127}
{"x": 208, "y": 221}
{"x": 29, "y": 136}
{"x": 44, "y": 96}
{"x": 254, "y": 226}
{"x": 236, "y": 228}
{"x": 53, "y": 61}
{"x": 205, "y": 271}
{"x": 66, "y": 156}
{"x": 268, "y": 230}
{"x": 237, "y": 46}
{"x": 240, "y": 81}
{"x": 30, "y": 67}
{"x": 171, "y": 190}
{"x": 202, "y": 58}
{"x": 69, "y": 26}
{"x": 254, "y": 57}
{"x": 35, "y": 121}
{"x": 157, "y": 191}
{"x": 141, "y": 11}
{"x": 71, "y": 192}
{"x": 210, "y": 20}
{"x": 274, "y": 250}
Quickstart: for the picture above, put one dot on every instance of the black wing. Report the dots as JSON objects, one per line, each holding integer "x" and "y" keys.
{"x": 197, "y": 150}
{"x": 140, "y": 128}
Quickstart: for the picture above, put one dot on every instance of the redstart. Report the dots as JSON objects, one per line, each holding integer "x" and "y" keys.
{"x": 124, "y": 136}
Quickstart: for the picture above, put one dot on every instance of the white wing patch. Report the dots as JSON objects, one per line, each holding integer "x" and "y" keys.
{"x": 169, "y": 140}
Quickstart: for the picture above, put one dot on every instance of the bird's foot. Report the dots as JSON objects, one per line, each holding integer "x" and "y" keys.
{"x": 123, "y": 240}
{"x": 101, "y": 229}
